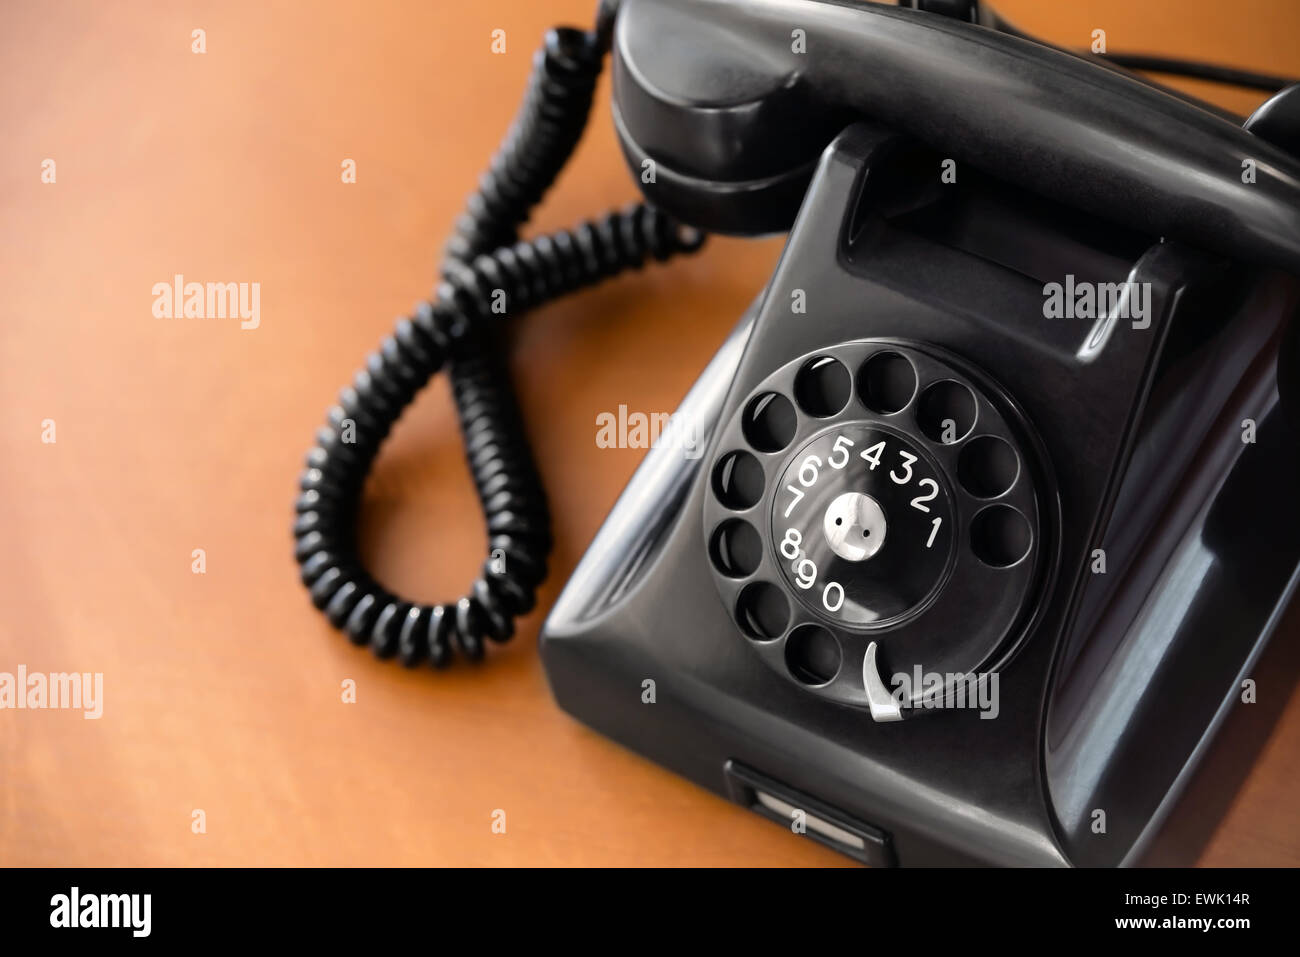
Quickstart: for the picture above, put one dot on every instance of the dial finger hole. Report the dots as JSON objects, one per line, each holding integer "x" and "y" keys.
{"x": 735, "y": 548}
{"x": 769, "y": 422}
{"x": 946, "y": 412}
{"x": 1000, "y": 536}
{"x": 822, "y": 387}
{"x": 738, "y": 480}
{"x": 886, "y": 383}
{"x": 762, "y": 611}
{"x": 813, "y": 655}
{"x": 988, "y": 467}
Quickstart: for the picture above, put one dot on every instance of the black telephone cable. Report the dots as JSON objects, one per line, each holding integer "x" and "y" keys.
{"x": 483, "y": 261}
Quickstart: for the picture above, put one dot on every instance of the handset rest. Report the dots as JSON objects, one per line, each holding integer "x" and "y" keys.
{"x": 731, "y": 101}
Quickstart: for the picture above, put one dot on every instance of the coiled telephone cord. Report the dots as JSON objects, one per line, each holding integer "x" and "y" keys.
{"x": 483, "y": 259}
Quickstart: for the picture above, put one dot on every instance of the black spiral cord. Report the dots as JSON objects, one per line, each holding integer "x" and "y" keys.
{"x": 483, "y": 261}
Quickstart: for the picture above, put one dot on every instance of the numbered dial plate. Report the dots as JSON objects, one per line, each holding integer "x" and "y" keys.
{"x": 876, "y": 494}
{"x": 862, "y": 520}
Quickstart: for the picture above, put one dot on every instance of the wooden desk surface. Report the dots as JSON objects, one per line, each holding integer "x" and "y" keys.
{"x": 222, "y": 689}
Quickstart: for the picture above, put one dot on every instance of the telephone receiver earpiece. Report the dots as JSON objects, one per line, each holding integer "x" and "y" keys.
{"x": 723, "y": 106}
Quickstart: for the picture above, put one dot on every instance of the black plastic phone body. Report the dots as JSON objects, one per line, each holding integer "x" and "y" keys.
{"x": 1167, "y": 444}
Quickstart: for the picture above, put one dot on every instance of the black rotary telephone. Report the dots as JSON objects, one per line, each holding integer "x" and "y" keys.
{"x": 998, "y": 504}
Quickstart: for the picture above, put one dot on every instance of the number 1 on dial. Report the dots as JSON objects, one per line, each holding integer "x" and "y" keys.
{"x": 934, "y": 530}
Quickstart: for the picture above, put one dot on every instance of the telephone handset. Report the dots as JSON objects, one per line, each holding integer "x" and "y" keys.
{"x": 978, "y": 503}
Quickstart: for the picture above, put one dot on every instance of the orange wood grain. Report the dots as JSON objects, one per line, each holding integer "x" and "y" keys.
{"x": 222, "y": 690}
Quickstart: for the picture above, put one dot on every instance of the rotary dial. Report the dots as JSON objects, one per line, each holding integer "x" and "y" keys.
{"x": 871, "y": 510}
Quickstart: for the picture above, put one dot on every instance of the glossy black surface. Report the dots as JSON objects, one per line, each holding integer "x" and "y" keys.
{"x": 1161, "y": 444}
{"x": 733, "y": 99}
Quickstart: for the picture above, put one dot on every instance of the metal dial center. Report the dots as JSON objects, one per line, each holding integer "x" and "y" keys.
{"x": 855, "y": 526}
